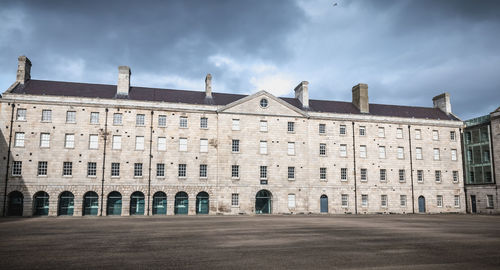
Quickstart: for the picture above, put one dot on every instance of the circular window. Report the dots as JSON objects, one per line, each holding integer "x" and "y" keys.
{"x": 263, "y": 103}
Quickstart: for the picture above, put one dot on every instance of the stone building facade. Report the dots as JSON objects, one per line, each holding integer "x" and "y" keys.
{"x": 89, "y": 149}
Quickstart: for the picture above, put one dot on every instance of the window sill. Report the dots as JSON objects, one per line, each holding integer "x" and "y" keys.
{"x": 138, "y": 177}
{"x": 183, "y": 127}
{"x": 16, "y": 176}
{"x": 115, "y": 177}
{"x": 203, "y": 178}
{"x": 235, "y": 206}
{"x": 235, "y": 178}
{"x": 68, "y": 176}
{"x": 20, "y": 120}
{"x": 323, "y": 180}
{"x": 291, "y": 179}
{"x": 160, "y": 177}
{"x": 92, "y": 176}
{"x": 42, "y": 176}
{"x": 182, "y": 177}
{"x": 343, "y": 180}
{"x": 45, "y": 121}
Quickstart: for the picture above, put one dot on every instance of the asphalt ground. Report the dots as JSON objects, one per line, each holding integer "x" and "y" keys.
{"x": 252, "y": 242}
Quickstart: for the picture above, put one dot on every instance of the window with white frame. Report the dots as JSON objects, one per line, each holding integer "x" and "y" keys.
{"x": 42, "y": 168}
{"x": 439, "y": 200}
{"x": 17, "y": 168}
{"x": 399, "y": 133}
{"x": 454, "y": 154}
{"x": 94, "y": 118}
{"x": 381, "y": 151}
{"x": 362, "y": 151}
{"x": 162, "y": 120}
{"x": 69, "y": 141}
{"x": 345, "y": 200}
{"x": 343, "y": 174}
{"x": 67, "y": 168}
{"x": 46, "y": 115}
{"x": 364, "y": 174}
{"x": 291, "y": 126}
{"x": 418, "y": 134}
{"x": 19, "y": 139}
{"x": 402, "y": 175}
{"x": 115, "y": 169}
{"x": 455, "y": 176}
{"x": 235, "y": 199}
{"x": 263, "y": 125}
{"x": 322, "y": 173}
{"x": 383, "y": 175}
{"x": 70, "y": 117}
{"x": 140, "y": 120}
{"x": 343, "y": 150}
{"x": 203, "y": 170}
{"x": 362, "y": 130}
{"x": 160, "y": 169}
{"x": 235, "y": 171}
{"x": 263, "y": 172}
{"x": 92, "y": 169}
{"x": 117, "y": 142}
{"x": 235, "y": 146}
{"x": 182, "y": 170}
{"x": 364, "y": 200}
{"x": 489, "y": 201}
{"x": 437, "y": 175}
{"x": 383, "y": 200}
{"x": 203, "y": 122}
{"x": 418, "y": 153}
{"x": 235, "y": 124}
{"x": 117, "y": 119}
{"x": 401, "y": 153}
{"x": 381, "y": 132}
{"x": 435, "y": 135}
{"x": 457, "y": 201}
{"x": 93, "y": 141}
{"x": 291, "y": 200}
{"x": 263, "y": 147}
{"x": 452, "y": 136}
{"x": 183, "y": 122}
{"x": 291, "y": 148}
{"x": 137, "y": 169}
{"x": 291, "y": 173}
{"x": 21, "y": 114}
{"x": 139, "y": 143}
{"x": 402, "y": 200}
{"x": 162, "y": 144}
{"x": 436, "y": 154}
{"x": 203, "y": 145}
{"x": 322, "y": 149}
{"x": 322, "y": 128}
{"x": 342, "y": 130}
{"x": 420, "y": 176}
{"x": 183, "y": 144}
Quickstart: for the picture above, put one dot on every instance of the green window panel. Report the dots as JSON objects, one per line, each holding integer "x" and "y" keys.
{"x": 90, "y": 204}
{"x": 159, "y": 203}
{"x": 137, "y": 203}
{"x": 41, "y": 204}
{"x": 66, "y": 204}
{"x": 114, "y": 204}
{"x": 202, "y": 203}
{"x": 181, "y": 205}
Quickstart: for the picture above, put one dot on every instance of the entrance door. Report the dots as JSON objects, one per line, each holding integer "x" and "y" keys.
{"x": 159, "y": 203}
{"x": 181, "y": 203}
{"x": 421, "y": 204}
{"x": 137, "y": 203}
{"x": 473, "y": 203}
{"x": 263, "y": 202}
{"x": 41, "y": 204}
{"x": 324, "y": 204}
{"x": 114, "y": 204}
{"x": 202, "y": 203}
{"x": 15, "y": 204}
{"x": 66, "y": 204}
{"x": 90, "y": 204}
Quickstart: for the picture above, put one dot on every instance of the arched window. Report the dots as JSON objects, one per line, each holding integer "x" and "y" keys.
{"x": 90, "y": 204}
{"x": 114, "y": 204}
{"x": 202, "y": 203}
{"x": 41, "y": 204}
{"x": 181, "y": 205}
{"x": 66, "y": 204}
{"x": 160, "y": 203}
{"x": 137, "y": 203}
{"x": 15, "y": 206}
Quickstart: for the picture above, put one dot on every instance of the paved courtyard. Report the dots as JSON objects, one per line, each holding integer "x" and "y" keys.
{"x": 252, "y": 242}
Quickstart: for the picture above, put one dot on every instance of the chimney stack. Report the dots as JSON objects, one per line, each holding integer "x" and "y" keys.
{"x": 208, "y": 86}
{"x": 360, "y": 97}
{"x": 442, "y": 102}
{"x": 23, "y": 69}
{"x": 302, "y": 93}
{"x": 123, "y": 85}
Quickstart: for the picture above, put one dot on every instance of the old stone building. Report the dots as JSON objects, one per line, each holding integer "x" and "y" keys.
{"x": 91, "y": 149}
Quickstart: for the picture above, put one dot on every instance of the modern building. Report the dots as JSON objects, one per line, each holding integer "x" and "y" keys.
{"x": 92, "y": 149}
{"x": 481, "y": 136}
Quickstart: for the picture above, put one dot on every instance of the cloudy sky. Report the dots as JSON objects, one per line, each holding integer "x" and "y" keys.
{"x": 406, "y": 51}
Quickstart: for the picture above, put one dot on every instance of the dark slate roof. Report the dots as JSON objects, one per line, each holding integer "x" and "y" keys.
{"x": 54, "y": 88}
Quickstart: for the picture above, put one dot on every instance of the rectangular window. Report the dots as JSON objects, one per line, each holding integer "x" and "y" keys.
{"x": 343, "y": 150}
{"x": 137, "y": 169}
{"x": 94, "y": 118}
{"x": 160, "y": 169}
{"x": 439, "y": 200}
{"x": 343, "y": 174}
{"x": 418, "y": 153}
{"x": 263, "y": 172}
{"x": 235, "y": 199}
{"x": 291, "y": 173}
{"x": 291, "y": 127}
{"x": 203, "y": 170}
{"x": 399, "y": 133}
{"x": 381, "y": 151}
{"x": 364, "y": 175}
{"x": 383, "y": 200}
{"x": 162, "y": 144}
{"x": 418, "y": 134}
{"x": 67, "y": 168}
{"x": 291, "y": 200}
{"x": 322, "y": 173}
{"x": 203, "y": 122}
{"x": 235, "y": 146}
{"x": 381, "y": 132}
{"x": 182, "y": 170}
{"x": 291, "y": 148}
{"x": 46, "y": 115}
{"x": 402, "y": 176}
{"x": 115, "y": 169}
{"x": 42, "y": 168}
{"x": 437, "y": 175}
{"x": 236, "y": 124}
{"x": 345, "y": 200}
{"x": 452, "y": 136}
{"x": 383, "y": 175}
{"x": 117, "y": 142}
{"x": 162, "y": 120}
{"x": 21, "y": 114}
{"x": 364, "y": 200}
{"x": 183, "y": 122}
{"x": 17, "y": 168}
{"x": 362, "y": 130}
{"x": 489, "y": 201}
{"x": 183, "y": 144}
{"x": 402, "y": 200}
{"x": 140, "y": 120}
{"x": 342, "y": 130}
{"x": 70, "y": 117}
{"x": 203, "y": 145}
{"x": 235, "y": 171}
{"x": 362, "y": 151}
{"x": 322, "y": 149}
{"x": 263, "y": 147}
{"x": 455, "y": 176}
{"x": 436, "y": 153}
{"x": 93, "y": 141}
{"x": 454, "y": 154}
{"x": 322, "y": 128}
{"x": 401, "y": 153}
{"x": 420, "y": 176}
{"x": 457, "y": 200}
{"x": 139, "y": 143}
{"x": 435, "y": 135}
{"x": 263, "y": 125}
{"x": 69, "y": 141}
{"x": 91, "y": 169}
{"x": 19, "y": 141}
{"x": 117, "y": 119}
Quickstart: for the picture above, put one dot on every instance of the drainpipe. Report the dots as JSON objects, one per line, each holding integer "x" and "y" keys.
{"x": 8, "y": 160}
{"x": 104, "y": 158}
{"x": 355, "y": 182}
{"x": 464, "y": 167}
{"x": 411, "y": 172}
{"x": 150, "y": 157}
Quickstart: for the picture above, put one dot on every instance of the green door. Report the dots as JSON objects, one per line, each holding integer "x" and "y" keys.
{"x": 90, "y": 204}
{"x": 41, "y": 204}
{"x": 66, "y": 204}
{"x": 137, "y": 203}
{"x": 263, "y": 201}
{"x": 202, "y": 203}
{"x": 159, "y": 203}
{"x": 114, "y": 204}
{"x": 181, "y": 203}
{"x": 15, "y": 204}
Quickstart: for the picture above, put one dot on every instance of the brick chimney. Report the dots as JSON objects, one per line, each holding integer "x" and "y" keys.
{"x": 360, "y": 97}
{"x": 208, "y": 86}
{"x": 442, "y": 102}
{"x": 23, "y": 69}
{"x": 123, "y": 86}
{"x": 302, "y": 93}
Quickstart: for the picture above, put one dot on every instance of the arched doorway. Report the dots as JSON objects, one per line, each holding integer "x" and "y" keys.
{"x": 114, "y": 204}
{"x": 263, "y": 202}
{"x": 202, "y": 203}
{"x": 41, "y": 204}
{"x": 90, "y": 204}
{"x": 15, "y": 206}
{"x": 181, "y": 203}
{"x": 66, "y": 204}
{"x": 421, "y": 204}
{"x": 137, "y": 203}
{"x": 160, "y": 203}
{"x": 323, "y": 203}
